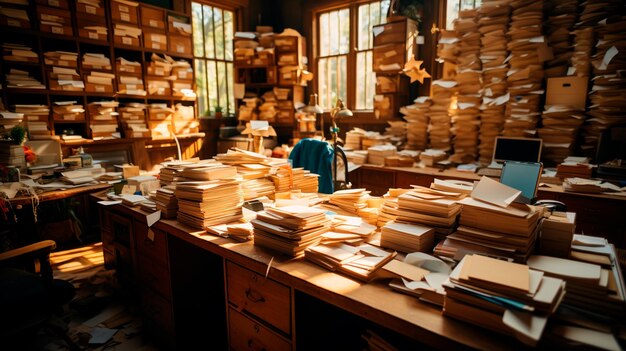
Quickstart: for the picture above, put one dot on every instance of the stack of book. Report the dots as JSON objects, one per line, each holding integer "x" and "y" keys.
{"x": 434, "y": 208}
{"x": 509, "y": 298}
{"x": 438, "y": 115}
{"x": 361, "y": 262}
{"x": 202, "y": 204}
{"x": 166, "y": 201}
{"x": 377, "y": 153}
{"x": 407, "y": 237}
{"x": 591, "y": 289}
{"x": 416, "y": 116}
{"x": 19, "y": 53}
{"x": 66, "y": 111}
{"x": 291, "y": 229}
{"x": 350, "y": 200}
{"x": 557, "y": 233}
{"x": 35, "y": 119}
{"x": 389, "y": 209}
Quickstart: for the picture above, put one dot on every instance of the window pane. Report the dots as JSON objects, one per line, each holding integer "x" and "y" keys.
{"x": 198, "y": 38}
{"x": 231, "y": 91}
{"x": 467, "y": 4}
{"x": 324, "y": 30}
{"x": 222, "y": 84}
{"x": 219, "y": 33}
{"x": 322, "y": 82}
{"x": 374, "y": 19}
{"x": 333, "y": 41}
{"x": 201, "y": 85}
{"x": 344, "y": 31}
{"x": 364, "y": 27}
{"x": 452, "y": 12}
{"x": 228, "y": 36}
{"x": 384, "y": 6}
{"x": 212, "y": 84}
{"x": 342, "y": 79}
{"x": 360, "y": 80}
{"x": 371, "y": 82}
{"x": 209, "y": 49}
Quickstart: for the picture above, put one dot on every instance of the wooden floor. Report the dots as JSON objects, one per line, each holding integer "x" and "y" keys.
{"x": 97, "y": 310}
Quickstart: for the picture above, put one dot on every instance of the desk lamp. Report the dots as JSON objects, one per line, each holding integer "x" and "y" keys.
{"x": 337, "y": 113}
{"x": 313, "y": 107}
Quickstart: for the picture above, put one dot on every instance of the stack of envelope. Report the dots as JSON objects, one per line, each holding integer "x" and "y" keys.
{"x": 442, "y": 91}
{"x": 416, "y": 116}
{"x": 558, "y": 27}
{"x": 468, "y": 76}
{"x": 493, "y": 24}
{"x": 525, "y": 77}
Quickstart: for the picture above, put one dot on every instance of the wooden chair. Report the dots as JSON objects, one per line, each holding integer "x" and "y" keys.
{"x": 29, "y": 295}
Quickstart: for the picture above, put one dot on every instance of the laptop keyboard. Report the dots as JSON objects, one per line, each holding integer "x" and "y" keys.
{"x": 490, "y": 172}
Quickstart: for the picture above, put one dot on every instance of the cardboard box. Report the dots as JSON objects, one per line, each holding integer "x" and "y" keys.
{"x": 287, "y": 43}
{"x": 98, "y": 88}
{"x": 401, "y": 30}
{"x": 391, "y": 58}
{"x": 63, "y": 4}
{"x": 152, "y": 17}
{"x": 179, "y": 44}
{"x": 288, "y": 59}
{"x": 567, "y": 91}
{"x": 291, "y": 75}
{"x": 182, "y": 72}
{"x": 392, "y": 84}
{"x": 158, "y": 87}
{"x": 127, "y": 41}
{"x": 159, "y": 71}
{"x": 159, "y": 115}
{"x": 14, "y": 22}
{"x": 124, "y": 12}
{"x": 90, "y": 10}
{"x": 156, "y": 40}
{"x": 136, "y": 70}
{"x": 171, "y": 19}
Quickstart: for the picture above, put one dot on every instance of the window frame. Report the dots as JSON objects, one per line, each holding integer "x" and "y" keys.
{"x": 360, "y": 116}
{"x": 237, "y": 10}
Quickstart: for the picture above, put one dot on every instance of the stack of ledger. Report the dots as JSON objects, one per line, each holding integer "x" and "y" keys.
{"x": 416, "y": 116}
{"x": 505, "y": 297}
{"x": 361, "y": 262}
{"x": 166, "y": 201}
{"x": 202, "y": 204}
{"x": 350, "y": 200}
{"x": 592, "y": 290}
{"x": 434, "y": 208}
{"x": 407, "y": 237}
{"x": 291, "y": 229}
{"x": 557, "y": 232}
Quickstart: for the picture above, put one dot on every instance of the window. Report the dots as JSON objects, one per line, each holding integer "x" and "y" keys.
{"x": 213, "y": 32}
{"x": 454, "y": 6}
{"x": 345, "y": 50}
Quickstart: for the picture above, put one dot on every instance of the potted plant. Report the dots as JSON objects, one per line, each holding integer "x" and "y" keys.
{"x": 218, "y": 111}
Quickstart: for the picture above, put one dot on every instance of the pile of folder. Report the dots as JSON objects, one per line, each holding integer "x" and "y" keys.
{"x": 438, "y": 115}
{"x": 125, "y": 66}
{"x": 202, "y": 204}
{"x": 407, "y": 237}
{"x": 291, "y": 229}
{"x": 493, "y": 25}
{"x": 19, "y": 52}
{"x": 361, "y": 262}
{"x": 166, "y": 201}
{"x": 416, "y": 116}
{"x": 35, "y": 119}
{"x": 434, "y": 208}
{"x": 593, "y": 290}
{"x": 525, "y": 76}
{"x": 559, "y": 132}
{"x": 17, "y": 78}
{"x": 509, "y": 298}
{"x": 66, "y": 111}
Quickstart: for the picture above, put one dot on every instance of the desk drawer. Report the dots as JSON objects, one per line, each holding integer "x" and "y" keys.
{"x": 264, "y": 298}
{"x": 245, "y": 334}
{"x": 154, "y": 276}
{"x": 152, "y": 245}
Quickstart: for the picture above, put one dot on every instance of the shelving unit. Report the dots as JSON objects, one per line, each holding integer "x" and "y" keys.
{"x": 156, "y": 23}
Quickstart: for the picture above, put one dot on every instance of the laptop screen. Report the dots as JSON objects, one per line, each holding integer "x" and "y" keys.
{"x": 523, "y": 176}
{"x": 517, "y": 149}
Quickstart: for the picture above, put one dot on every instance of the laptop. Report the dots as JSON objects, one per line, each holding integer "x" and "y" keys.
{"x": 523, "y": 176}
{"x": 512, "y": 149}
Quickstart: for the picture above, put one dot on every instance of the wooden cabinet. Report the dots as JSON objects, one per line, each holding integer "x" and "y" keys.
{"x": 246, "y": 334}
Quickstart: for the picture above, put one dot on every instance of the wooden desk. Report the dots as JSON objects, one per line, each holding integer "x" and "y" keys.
{"x": 596, "y": 214}
{"x": 180, "y": 276}
{"x": 59, "y": 194}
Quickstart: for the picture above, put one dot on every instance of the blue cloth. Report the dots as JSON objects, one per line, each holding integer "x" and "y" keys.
{"x": 315, "y": 156}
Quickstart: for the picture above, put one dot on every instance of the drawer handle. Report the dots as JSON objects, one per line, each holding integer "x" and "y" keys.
{"x": 255, "y": 345}
{"x": 254, "y": 296}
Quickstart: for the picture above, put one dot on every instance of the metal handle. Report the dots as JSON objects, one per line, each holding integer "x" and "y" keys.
{"x": 254, "y": 296}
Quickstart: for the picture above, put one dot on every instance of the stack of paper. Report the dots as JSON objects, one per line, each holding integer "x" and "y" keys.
{"x": 468, "y": 77}
{"x": 592, "y": 290}
{"x": 93, "y": 32}
{"x": 202, "y": 204}
{"x": 447, "y": 50}
{"x": 396, "y": 133}
{"x": 130, "y": 85}
{"x": 558, "y": 27}
{"x": 350, "y": 200}
{"x": 170, "y": 171}
{"x": 128, "y": 35}
{"x": 133, "y": 111}
{"x": 208, "y": 171}
{"x": 501, "y": 296}
{"x": 17, "y": 78}
{"x": 432, "y": 156}
{"x": 377, "y": 153}
{"x": 361, "y": 262}
{"x": 559, "y": 132}
{"x": 68, "y": 111}
{"x": 160, "y": 66}
{"x": 126, "y": 66}
{"x": 99, "y": 82}
{"x": 19, "y": 53}
{"x": 61, "y": 58}
{"x": 35, "y": 118}
{"x": 574, "y": 168}
{"x": 103, "y": 116}
{"x": 291, "y": 229}
{"x": 15, "y": 17}
{"x": 525, "y": 76}
{"x": 416, "y": 116}
{"x": 434, "y": 208}
{"x": 454, "y": 186}
{"x": 557, "y": 232}
{"x": 96, "y": 61}
{"x": 493, "y": 225}
{"x": 348, "y": 229}
{"x": 407, "y": 237}
{"x": 438, "y": 114}
{"x": 582, "y": 185}
{"x": 66, "y": 79}
{"x": 389, "y": 209}
{"x": 583, "y": 47}
{"x": 287, "y": 178}
{"x": 166, "y": 201}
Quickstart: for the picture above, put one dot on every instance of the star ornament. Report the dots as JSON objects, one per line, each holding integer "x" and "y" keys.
{"x": 413, "y": 70}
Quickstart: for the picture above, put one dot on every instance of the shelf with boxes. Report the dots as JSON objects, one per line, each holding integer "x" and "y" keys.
{"x": 272, "y": 68}
{"x": 112, "y": 59}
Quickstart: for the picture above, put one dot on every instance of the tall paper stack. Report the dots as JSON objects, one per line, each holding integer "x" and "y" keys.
{"x": 561, "y": 17}
{"x": 353, "y": 139}
{"x": 557, "y": 232}
{"x": 103, "y": 116}
{"x": 559, "y": 132}
{"x": 439, "y": 114}
{"x": 407, "y": 237}
{"x": 202, "y": 204}
{"x": 416, "y": 116}
{"x": 389, "y": 210}
{"x": 166, "y": 201}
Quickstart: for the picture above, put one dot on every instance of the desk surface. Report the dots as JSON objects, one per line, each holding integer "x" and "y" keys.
{"x": 59, "y": 194}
